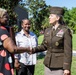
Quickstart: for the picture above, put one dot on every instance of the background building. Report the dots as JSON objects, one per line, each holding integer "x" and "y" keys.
{"x": 22, "y": 14}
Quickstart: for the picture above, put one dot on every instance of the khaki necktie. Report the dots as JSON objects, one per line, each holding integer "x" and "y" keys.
{"x": 52, "y": 32}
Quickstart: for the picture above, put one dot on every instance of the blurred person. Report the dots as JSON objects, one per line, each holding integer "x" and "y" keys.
{"x": 7, "y": 46}
{"x": 58, "y": 43}
{"x": 26, "y": 38}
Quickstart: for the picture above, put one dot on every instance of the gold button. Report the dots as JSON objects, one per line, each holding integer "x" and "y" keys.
{"x": 57, "y": 43}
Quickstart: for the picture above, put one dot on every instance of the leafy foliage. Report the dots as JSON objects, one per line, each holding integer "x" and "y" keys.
{"x": 38, "y": 14}
{"x": 38, "y": 11}
{"x": 70, "y": 18}
{"x": 9, "y": 5}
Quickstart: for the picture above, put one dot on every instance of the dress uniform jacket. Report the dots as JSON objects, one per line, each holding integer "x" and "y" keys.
{"x": 59, "y": 47}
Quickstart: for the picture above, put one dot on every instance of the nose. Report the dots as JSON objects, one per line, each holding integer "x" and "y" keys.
{"x": 50, "y": 16}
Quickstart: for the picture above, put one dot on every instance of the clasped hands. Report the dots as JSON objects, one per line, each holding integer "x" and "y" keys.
{"x": 29, "y": 50}
{"x": 17, "y": 64}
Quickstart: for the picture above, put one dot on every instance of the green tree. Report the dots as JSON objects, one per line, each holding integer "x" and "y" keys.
{"x": 70, "y": 18}
{"x": 45, "y": 23}
{"x": 38, "y": 10}
{"x": 9, "y": 5}
{"x": 72, "y": 21}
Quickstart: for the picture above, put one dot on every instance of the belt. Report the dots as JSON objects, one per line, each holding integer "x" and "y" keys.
{"x": 57, "y": 50}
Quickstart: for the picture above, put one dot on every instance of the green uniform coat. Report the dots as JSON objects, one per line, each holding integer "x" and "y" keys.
{"x": 58, "y": 46}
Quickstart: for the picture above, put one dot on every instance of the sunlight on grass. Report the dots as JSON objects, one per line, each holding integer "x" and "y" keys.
{"x": 40, "y": 39}
{"x": 73, "y": 69}
{"x": 39, "y": 69}
{"x": 74, "y": 41}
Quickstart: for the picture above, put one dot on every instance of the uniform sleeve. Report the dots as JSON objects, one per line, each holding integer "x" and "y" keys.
{"x": 67, "y": 50}
{"x": 4, "y": 34}
{"x": 42, "y": 47}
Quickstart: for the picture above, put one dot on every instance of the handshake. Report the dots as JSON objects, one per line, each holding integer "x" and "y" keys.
{"x": 24, "y": 49}
{"x": 29, "y": 50}
{"x": 17, "y": 63}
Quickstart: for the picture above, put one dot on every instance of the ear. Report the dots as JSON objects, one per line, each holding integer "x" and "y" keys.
{"x": 58, "y": 17}
{"x": 21, "y": 25}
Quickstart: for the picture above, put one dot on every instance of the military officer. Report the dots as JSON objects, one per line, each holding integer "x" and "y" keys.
{"x": 58, "y": 43}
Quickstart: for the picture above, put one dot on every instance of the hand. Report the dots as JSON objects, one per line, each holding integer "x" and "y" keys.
{"x": 66, "y": 72}
{"x": 17, "y": 64}
{"x": 29, "y": 50}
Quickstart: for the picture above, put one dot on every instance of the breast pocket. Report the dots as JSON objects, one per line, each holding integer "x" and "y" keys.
{"x": 47, "y": 60}
{"x": 58, "y": 41}
{"x": 47, "y": 37}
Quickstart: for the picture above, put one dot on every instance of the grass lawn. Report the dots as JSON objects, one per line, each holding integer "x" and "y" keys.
{"x": 40, "y": 39}
{"x": 39, "y": 69}
{"x": 74, "y": 41}
{"x": 73, "y": 69}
